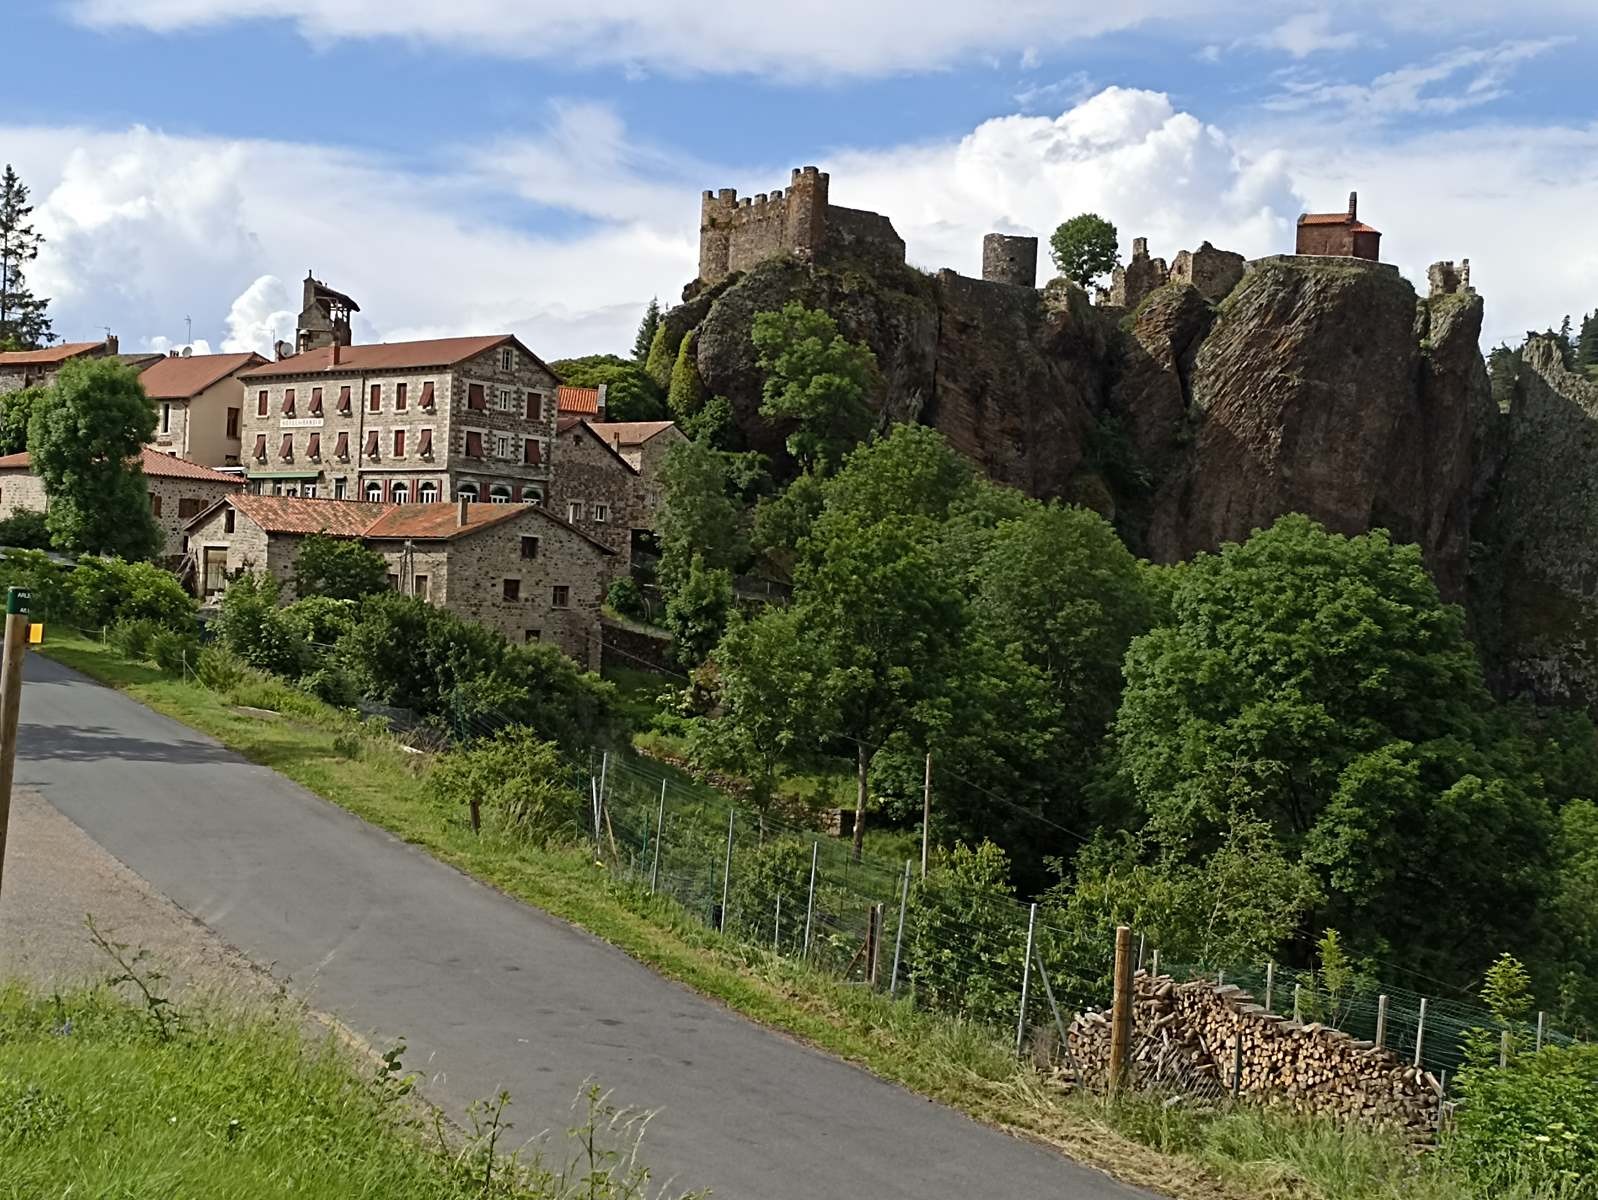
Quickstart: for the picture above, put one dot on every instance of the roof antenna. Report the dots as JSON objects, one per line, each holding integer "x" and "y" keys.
{"x": 188, "y": 325}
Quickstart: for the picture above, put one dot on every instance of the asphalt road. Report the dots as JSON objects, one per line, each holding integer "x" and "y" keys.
{"x": 490, "y": 993}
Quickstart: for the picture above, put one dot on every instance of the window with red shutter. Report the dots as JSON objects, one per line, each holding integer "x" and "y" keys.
{"x": 425, "y": 447}
{"x": 375, "y": 404}
{"x": 155, "y": 505}
{"x": 534, "y": 409}
{"x": 260, "y": 403}
{"x": 474, "y": 444}
{"x": 474, "y": 396}
{"x": 399, "y": 397}
{"x": 316, "y": 402}
{"x": 344, "y": 399}
{"x": 427, "y": 394}
{"x": 341, "y": 450}
{"x": 288, "y": 402}
{"x": 371, "y": 443}
{"x": 399, "y": 443}
{"x": 260, "y": 447}
{"x": 531, "y": 454}
{"x": 314, "y": 450}
{"x": 286, "y": 450}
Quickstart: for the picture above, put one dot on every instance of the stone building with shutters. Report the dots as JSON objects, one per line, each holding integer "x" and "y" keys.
{"x": 643, "y": 444}
{"x": 30, "y": 368}
{"x": 199, "y": 405}
{"x": 596, "y": 489}
{"x": 179, "y": 491}
{"x": 517, "y": 569}
{"x": 402, "y": 422}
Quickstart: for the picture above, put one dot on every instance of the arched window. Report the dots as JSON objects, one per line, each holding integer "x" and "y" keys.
{"x": 400, "y": 492}
{"x": 373, "y": 491}
{"x": 427, "y": 492}
{"x": 532, "y": 495}
{"x": 499, "y": 493}
{"x": 466, "y": 491}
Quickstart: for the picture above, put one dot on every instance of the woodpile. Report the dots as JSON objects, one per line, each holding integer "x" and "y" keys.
{"x": 1186, "y": 1039}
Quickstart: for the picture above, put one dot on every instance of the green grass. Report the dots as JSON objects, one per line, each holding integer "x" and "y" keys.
{"x": 1247, "y": 1154}
{"x": 99, "y": 1099}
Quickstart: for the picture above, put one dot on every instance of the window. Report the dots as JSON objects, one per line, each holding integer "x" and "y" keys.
{"x": 344, "y": 399}
{"x": 215, "y": 567}
{"x": 166, "y": 416}
{"x": 574, "y": 511}
{"x": 424, "y": 447}
{"x": 371, "y": 443}
{"x": 393, "y": 583}
{"x": 341, "y": 448}
{"x": 535, "y": 406}
{"x": 419, "y": 587}
{"x": 529, "y": 547}
{"x": 155, "y": 505}
{"x": 375, "y": 403}
{"x": 309, "y": 491}
{"x": 373, "y": 491}
{"x": 560, "y": 596}
{"x": 427, "y": 493}
{"x": 260, "y": 403}
{"x": 339, "y": 485}
{"x": 399, "y": 397}
{"x": 288, "y": 402}
{"x": 474, "y": 396}
{"x": 505, "y": 401}
{"x": 290, "y": 489}
{"x": 499, "y": 493}
{"x": 399, "y": 443}
{"x": 277, "y": 488}
{"x": 188, "y": 508}
{"x": 233, "y": 422}
{"x": 502, "y": 445}
{"x": 400, "y": 492}
{"x": 260, "y": 447}
{"x": 507, "y": 359}
{"x": 286, "y": 450}
{"x": 466, "y": 491}
{"x": 533, "y": 635}
{"x": 313, "y": 451}
{"x": 532, "y": 495}
{"x": 474, "y": 444}
{"x": 427, "y": 395}
{"x": 532, "y": 452}
{"x": 228, "y": 519}
{"x": 513, "y": 589}
{"x": 601, "y": 513}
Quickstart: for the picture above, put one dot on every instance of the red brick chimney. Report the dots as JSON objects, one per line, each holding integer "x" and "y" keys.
{"x": 335, "y": 353}
{"x": 110, "y": 345}
{"x": 1353, "y": 206}
{"x": 462, "y": 511}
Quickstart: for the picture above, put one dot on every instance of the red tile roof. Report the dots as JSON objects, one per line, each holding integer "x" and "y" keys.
{"x": 440, "y": 521}
{"x": 387, "y": 356}
{"x": 181, "y": 378}
{"x": 1341, "y": 218}
{"x": 578, "y": 401}
{"x": 630, "y": 433}
{"x": 166, "y": 466}
{"x": 297, "y": 514}
{"x": 48, "y": 356}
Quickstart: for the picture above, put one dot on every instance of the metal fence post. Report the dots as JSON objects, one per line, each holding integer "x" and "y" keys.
{"x": 1142, "y": 938}
{"x": 1420, "y": 1032}
{"x": 1155, "y": 969}
{"x": 1540, "y": 1016}
{"x": 660, "y": 829}
{"x": 1503, "y": 1049}
{"x": 1026, "y": 976}
{"x": 604, "y": 771}
{"x": 593, "y": 787}
{"x": 726, "y": 871}
{"x": 810, "y": 904}
{"x": 1381, "y": 1020}
{"x": 898, "y": 937}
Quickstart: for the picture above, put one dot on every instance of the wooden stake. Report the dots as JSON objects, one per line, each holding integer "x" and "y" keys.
{"x": 1381, "y": 1020}
{"x": 1420, "y": 1032}
{"x": 926, "y": 815}
{"x": 660, "y": 828}
{"x": 1121, "y": 1008}
{"x": 810, "y": 904}
{"x": 16, "y": 648}
{"x": 1540, "y": 1016}
{"x": 1270, "y": 986}
{"x": 1026, "y": 977}
{"x": 726, "y": 870}
{"x": 898, "y": 938}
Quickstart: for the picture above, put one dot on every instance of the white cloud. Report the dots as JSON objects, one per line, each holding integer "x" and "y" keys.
{"x": 160, "y": 344}
{"x": 1309, "y": 33}
{"x": 259, "y": 317}
{"x": 817, "y": 38}
{"x": 1460, "y": 79}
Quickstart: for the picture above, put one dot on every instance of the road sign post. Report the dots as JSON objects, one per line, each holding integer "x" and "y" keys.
{"x": 16, "y": 647}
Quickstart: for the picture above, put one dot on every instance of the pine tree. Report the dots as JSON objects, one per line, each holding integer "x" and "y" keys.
{"x": 646, "y": 331}
{"x": 1567, "y": 343}
{"x": 23, "y": 321}
{"x": 1587, "y": 346}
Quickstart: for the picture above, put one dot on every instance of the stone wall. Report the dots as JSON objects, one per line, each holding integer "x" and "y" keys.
{"x": 247, "y": 548}
{"x": 637, "y": 650}
{"x": 174, "y": 502}
{"x": 1129, "y": 284}
{"x": 1012, "y": 260}
{"x": 1214, "y": 273}
{"x": 598, "y": 491}
{"x": 21, "y": 491}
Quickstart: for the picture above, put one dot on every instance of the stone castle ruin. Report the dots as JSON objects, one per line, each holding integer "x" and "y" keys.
{"x": 1213, "y": 272}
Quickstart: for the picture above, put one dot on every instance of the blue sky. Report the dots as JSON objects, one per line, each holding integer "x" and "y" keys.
{"x": 535, "y": 164}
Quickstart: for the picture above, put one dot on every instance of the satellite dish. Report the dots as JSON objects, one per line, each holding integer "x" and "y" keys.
{"x": 187, "y": 351}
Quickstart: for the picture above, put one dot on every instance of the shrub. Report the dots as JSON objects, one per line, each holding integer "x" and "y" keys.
{"x": 966, "y": 938}
{"x": 760, "y": 875}
{"x": 104, "y": 591}
{"x": 625, "y": 597}
{"x": 338, "y": 568}
{"x": 332, "y": 684}
{"x": 517, "y": 779}
{"x": 253, "y": 627}
{"x": 132, "y": 638}
{"x": 321, "y": 620}
{"x": 44, "y": 577}
{"x": 175, "y": 653}
{"x": 25, "y": 530}
{"x": 219, "y": 669}
{"x": 1532, "y": 1122}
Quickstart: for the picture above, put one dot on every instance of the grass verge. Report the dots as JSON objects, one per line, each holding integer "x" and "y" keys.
{"x": 1247, "y": 1154}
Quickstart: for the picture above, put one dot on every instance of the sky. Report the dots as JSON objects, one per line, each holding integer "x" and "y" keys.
{"x": 535, "y": 166}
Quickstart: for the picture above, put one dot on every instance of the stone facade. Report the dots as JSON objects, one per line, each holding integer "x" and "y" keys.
{"x": 1213, "y": 272}
{"x": 20, "y": 490}
{"x": 735, "y": 234}
{"x": 480, "y": 426}
{"x": 597, "y": 489}
{"x": 29, "y": 368}
{"x": 1129, "y": 284}
{"x": 644, "y": 445}
{"x": 1449, "y": 279}
{"x": 1339, "y": 235}
{"x": 1012, "y": 260}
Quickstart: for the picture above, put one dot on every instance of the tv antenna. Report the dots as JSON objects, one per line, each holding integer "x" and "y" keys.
{"x": 188, "y": 325}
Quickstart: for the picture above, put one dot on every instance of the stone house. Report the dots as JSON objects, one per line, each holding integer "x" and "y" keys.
{"x": 596, "y": 489}
{"x": 402, "y": 422}
{"x": 1340, "y": 234}
{"x": 517, "y": 569}
{"x": 25, "y": 368}
{"x": 586, "y": 402}
{"x": 199, "y": 405}
{"x": 179, "y": 491}
{"x": 644, "y": 444}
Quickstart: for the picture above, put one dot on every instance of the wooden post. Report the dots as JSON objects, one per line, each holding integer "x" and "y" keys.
{"x": 1420, "y": 1032}
{"x": 16, "y": 647}
{"x": 1155, "y": 968}
{"x": 1540, "y": 1016}
{"x": 926, "y": 815}
{"x": 810, "y": 904}
{"x": 873, "y": 937}
{"x": 1298, "y": 1012}
{"x": 593, "y": 791}
{"x": 898, "y": 938}
{"x": 1121, "y": 1007}
{"x": 1237, "y": 1057}
{"x": 1503, "y": 1049}
{"x": 1381, "y": 1020}
{"x": 1270, "y": 986}
{"x": 1026, "y": 977}
{"x": 726, "y": 870}
{"x": 660, "y": 829}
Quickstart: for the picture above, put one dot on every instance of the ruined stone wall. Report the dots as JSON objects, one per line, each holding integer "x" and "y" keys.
{"x": 1213, "y": 272}
{"x": 862, "y": 238}
{"x": 1008, "y": 259}
{"x": 1131, "y": 284}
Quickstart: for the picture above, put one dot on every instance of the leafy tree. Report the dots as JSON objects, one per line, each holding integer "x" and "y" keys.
{"x": 1503, "y": 365}
{"x": 686, "y": 396}
{"x": 84, "y": 437}
{"x": 647, "y": 328}
{"x": 698, "y": 516}
{"x": 662, "y": 356}
{"x": 25, "y": 529}
{"x": 16, "y": 411}
{"x": 630, "y": 394}
{"x": 253, "y": 627}
{"x": 338, "y": 568}
{"x": 1085, "y": 248}
{"x": 965, "y": 935}
{"x": 626, "y": 597}
{"x": 517, "y": 776}
{"x": 104, "y": 591}
{"x": 816, "y": 379}
{"x": 697, "y": 611}
{"x": 24, "y": 323}
{"x": 1319, "y": 683}
{"x": 1575, "y": 907}
{"x": 320, "y": 620}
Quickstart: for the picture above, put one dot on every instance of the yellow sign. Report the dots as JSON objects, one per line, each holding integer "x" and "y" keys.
{"x": 35, "y": 634}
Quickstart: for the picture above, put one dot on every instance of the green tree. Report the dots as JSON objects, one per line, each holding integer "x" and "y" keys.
{"x": 253, "y": 627}
{"x": 630, "y": 394}
{"x": 686, "y": 395}
{"x": 24, "y": 322}
{"x": 1319, "y": 683}
{"x": 817, "y": 380}
{"x": 965, "y": 935}
{"x": 16, "y": 411}
{"x": 1575, "y": 908}
{"x": 1085, "y": 248}
{"x": 339, "y": 568}
{"x": 1587, "y": 345}
{"x": 662, "y": 356}
{"x": 698, "y": 515}
{"x": 647, "y": 328}
{"x": 697, "y": 611}
{"x": 25, "y": 529}
{"x": 84, "y": 438}
{"x": 1567, "y": 342}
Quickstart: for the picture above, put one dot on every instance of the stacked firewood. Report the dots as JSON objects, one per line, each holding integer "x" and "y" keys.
{"x": 1185, "y": 1038}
